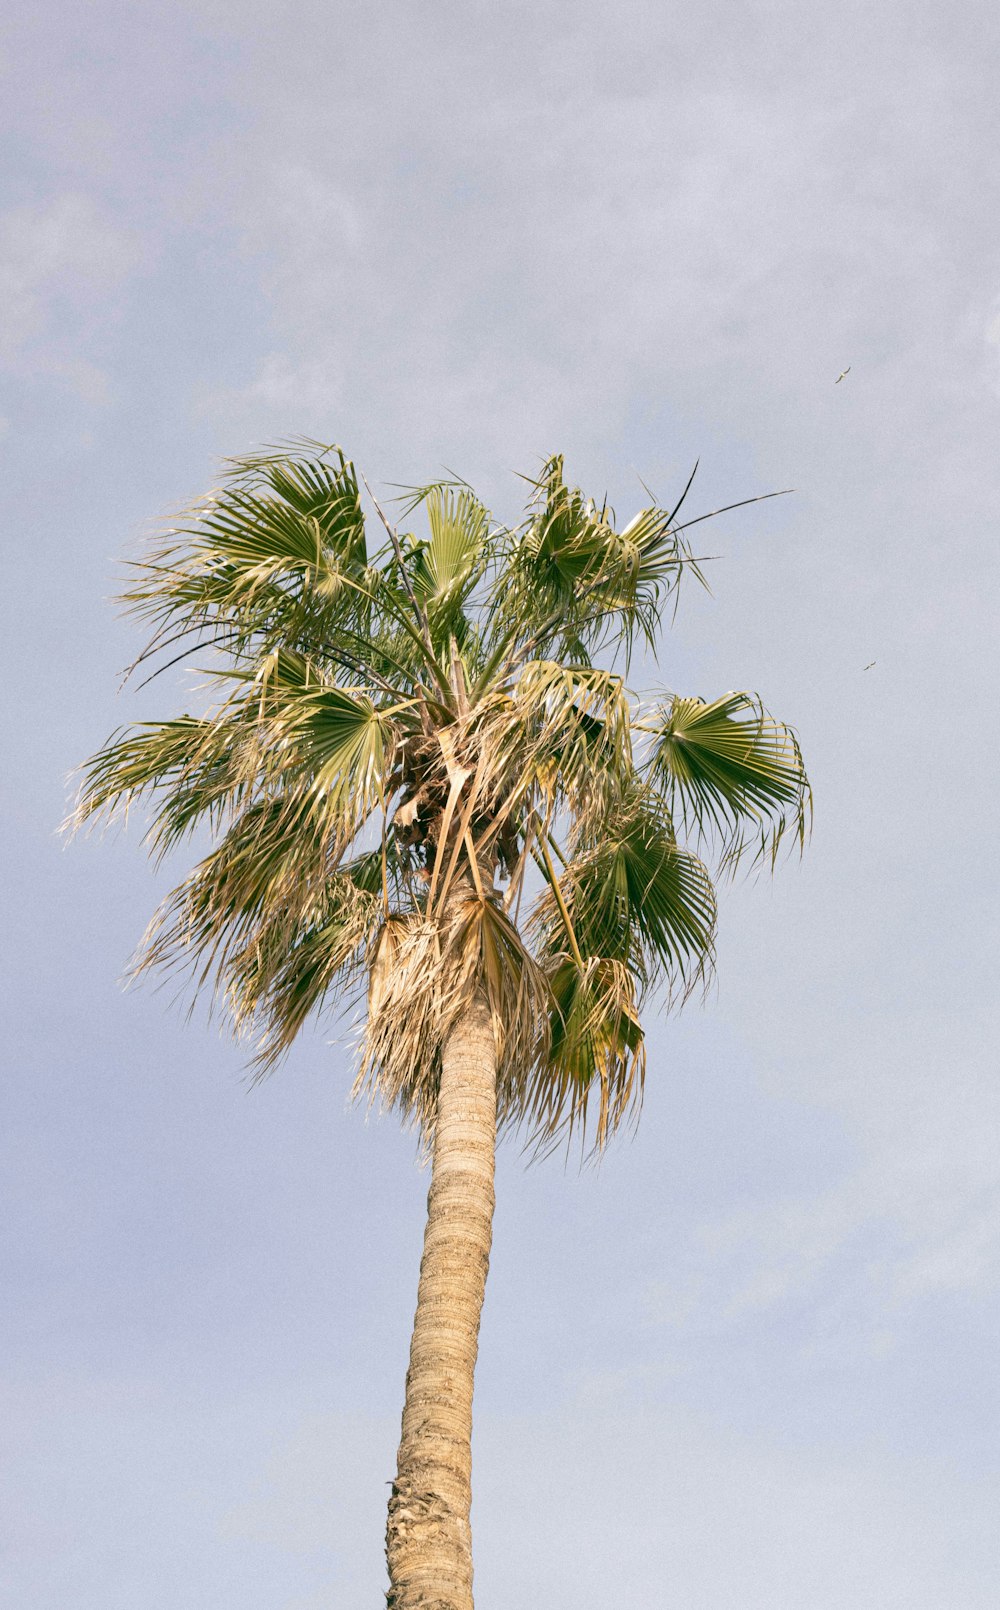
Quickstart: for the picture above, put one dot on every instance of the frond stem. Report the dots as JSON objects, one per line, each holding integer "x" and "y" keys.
{"x": 420, "y": 613}
{"x": 553, "y": 881}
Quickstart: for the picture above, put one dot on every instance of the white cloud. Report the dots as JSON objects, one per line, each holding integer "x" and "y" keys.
{"x": 531, "y": 253}
{"x": 281, "y": 391}
{"x": 913, "y": 1221}
{"x": 59, "y": 260}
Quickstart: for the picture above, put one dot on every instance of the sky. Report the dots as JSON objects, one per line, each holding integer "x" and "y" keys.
{"x": 751, "y": 1358}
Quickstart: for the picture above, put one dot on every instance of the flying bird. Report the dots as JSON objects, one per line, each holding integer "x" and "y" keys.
{"x": 841, "y": 376}
{"x": 869, "y": 665}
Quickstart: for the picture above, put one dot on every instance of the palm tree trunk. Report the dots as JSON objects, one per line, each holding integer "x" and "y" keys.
{"x": 428, "y": 1536}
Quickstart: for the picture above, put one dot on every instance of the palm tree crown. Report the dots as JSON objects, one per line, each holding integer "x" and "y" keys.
{"x": 424, "y": 775}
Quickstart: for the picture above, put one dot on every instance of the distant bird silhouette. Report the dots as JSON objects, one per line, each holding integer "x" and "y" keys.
{"x": 869, "y": 665}
{"x": 841, "y": 376}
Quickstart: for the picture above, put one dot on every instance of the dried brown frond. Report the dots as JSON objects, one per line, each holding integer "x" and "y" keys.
{"x": 423, "y": 973}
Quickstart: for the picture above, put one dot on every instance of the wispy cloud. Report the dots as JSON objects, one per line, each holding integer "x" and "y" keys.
{"x": 549, "y": 246}
{"x": 914, "y": 1221}
{"x": 59, "y": 262}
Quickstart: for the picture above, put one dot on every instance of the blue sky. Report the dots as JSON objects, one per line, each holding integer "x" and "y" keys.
{"x": 751, "y": 1360}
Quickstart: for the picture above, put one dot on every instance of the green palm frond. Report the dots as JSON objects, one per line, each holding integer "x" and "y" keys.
{"x": 577, "y": 581}
{"x": 447, "y": 566}
{"x": 282, "y": 971}
{"x": 337, "y": 743}
{"x": 595, "y": 1050}
{"x": 272, "y": 863}
{"x": 628, "y": 911}
{"x": 576, "y": 725}
{"x": 635, "y": 896}
{"x": 190, "y": 763}
{"x": 557, "y": 561}
{"x": 277, "y": 554}
{"x": 729, "y": 769}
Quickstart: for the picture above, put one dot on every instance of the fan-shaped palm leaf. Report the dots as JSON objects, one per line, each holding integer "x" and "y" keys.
{"x": 448, "y": 565}
{"x": 729, "y": 768}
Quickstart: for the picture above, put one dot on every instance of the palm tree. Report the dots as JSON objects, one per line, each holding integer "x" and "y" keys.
{"x": 425, "y": 782}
